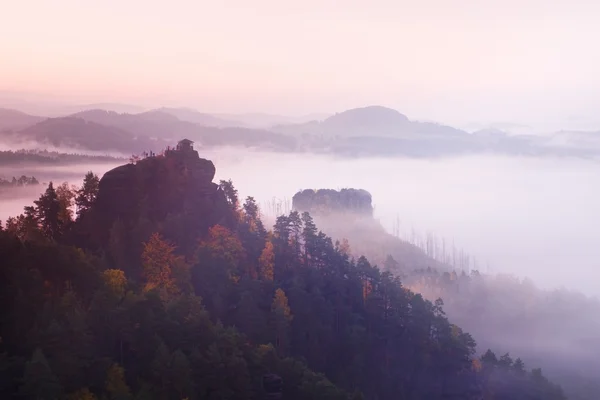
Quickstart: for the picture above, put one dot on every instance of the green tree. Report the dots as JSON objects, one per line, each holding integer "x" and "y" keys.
{"x": 66, "y": 196}
{"x": 87, "y": 194}
{"x": 48, "y": 210}
{"x": 231, "y": 194}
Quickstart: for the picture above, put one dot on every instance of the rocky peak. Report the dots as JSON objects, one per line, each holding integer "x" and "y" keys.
{"x": 176, "y": 185}
{"x": 329, "y": 201}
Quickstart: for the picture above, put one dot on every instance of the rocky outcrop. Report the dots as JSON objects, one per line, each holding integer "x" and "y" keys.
{"x": 328, "y": 201}
{"x": 171, "y": 193}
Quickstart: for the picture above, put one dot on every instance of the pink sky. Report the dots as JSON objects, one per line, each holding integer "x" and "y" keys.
{"x": 433, "y": 58}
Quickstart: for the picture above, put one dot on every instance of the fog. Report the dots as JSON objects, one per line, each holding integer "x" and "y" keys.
{"x": 529, "y": 217}
{"x": 12, "y": 200}
{"x": 524, "y": 217}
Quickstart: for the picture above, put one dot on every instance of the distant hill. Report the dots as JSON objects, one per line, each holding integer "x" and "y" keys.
{"x": 371, "y": 121}
{"x": 76, "y": 133}
{"x": 116, "y": 107}
{"x": 191, "y": 115}
{"x": 267, "y": 121}
{"x": 161, "y": 125}
{"x": 13, "y": 120}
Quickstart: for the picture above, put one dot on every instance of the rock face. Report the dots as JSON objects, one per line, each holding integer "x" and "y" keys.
{"x": 328, "y": 201}
{"x": 172, "y": 192}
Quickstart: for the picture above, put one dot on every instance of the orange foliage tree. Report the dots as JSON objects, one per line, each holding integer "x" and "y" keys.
{"x": 158, "y": 261}
{"x": 223, "y": 247}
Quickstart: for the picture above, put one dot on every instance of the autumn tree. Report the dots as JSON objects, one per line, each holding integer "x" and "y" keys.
{"x": 223, "y": 247}
{"x": 158, "y": 260}
{"x": 281, "y": 317}
{"x": 266, "y": 262}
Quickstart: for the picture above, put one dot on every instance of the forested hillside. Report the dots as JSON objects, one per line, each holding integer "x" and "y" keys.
{"x": 155, "y": 283}
{"x": 503, "y": 312}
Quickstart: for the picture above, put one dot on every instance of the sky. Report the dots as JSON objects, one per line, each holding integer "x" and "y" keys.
{"x": 455, "y": 61}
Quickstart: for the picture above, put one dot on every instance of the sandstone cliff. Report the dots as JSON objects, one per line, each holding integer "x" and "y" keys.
{"x": 327, "y": 201}
{"x": 172, "y": 194}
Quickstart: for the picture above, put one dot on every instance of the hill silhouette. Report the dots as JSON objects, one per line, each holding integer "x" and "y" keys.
{"x": 191, "y": 115}
{"x": 13, "y": 120}
{"x": 371, "y": 121}
{"x": 78, "y": 134}
{"x": 159, "y": 124}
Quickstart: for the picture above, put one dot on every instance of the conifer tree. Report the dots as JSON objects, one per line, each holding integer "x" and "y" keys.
{"x": 86, "y": 195}
{"x": 48, "y": 211}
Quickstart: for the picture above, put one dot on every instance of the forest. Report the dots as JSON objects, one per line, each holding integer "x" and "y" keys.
{"x": 155, "y": 283}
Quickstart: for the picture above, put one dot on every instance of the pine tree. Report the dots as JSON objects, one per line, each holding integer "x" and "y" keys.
{"x": 252, "y": 217}
{"x": 48, "y": 211}
{"x": 231, "y": 194}
{"x": 86, "y": 196}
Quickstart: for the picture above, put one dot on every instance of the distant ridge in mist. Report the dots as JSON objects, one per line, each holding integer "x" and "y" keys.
{"x": 191, "y": 115}
{"x": 76, "y": 133}
{"x": 14, "y": 120}
{"x": 372, "y": 131}
{"x": 368, "y": 121}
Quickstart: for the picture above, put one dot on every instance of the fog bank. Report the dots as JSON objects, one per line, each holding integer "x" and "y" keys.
{"x": 524, "y": 216}
{"x": 12, "y": 200}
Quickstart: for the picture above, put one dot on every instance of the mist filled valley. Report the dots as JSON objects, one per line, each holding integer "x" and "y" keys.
{"x": 266, "y": 200}
{"x": 528, "y": 217}
{"x": 507, "y": 242}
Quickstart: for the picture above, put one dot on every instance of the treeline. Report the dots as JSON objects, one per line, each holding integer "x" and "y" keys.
{"x": 172, "y": 319}
{"x": 50, "y": 157}
{"x": 506, "y": 312}
{"x": 21, "y": 181}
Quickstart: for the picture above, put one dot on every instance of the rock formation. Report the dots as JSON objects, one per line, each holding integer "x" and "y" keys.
{"x": 172, "y": 193}
{"x": 328, "y": 201}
